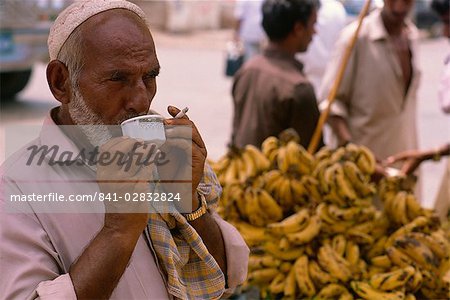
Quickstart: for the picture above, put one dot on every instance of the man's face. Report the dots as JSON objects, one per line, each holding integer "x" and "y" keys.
{"x": 308, "y": 32}
{"x": 117, "y": 80}
{"x": 397, "y": 10}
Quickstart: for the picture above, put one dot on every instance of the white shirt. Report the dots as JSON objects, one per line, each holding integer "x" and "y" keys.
{"x": 249, "y": 12}
{"x": 330, "y": 21}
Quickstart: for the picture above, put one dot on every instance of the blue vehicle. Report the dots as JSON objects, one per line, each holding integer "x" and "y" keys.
{"x": 24, "y": 28}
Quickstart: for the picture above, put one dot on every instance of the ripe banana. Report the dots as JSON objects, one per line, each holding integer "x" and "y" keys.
{"x": 262, "y": 276}
{"x": 398, "y": 258}
{"x": 277, "y": 284}
{"x": 270, "y": 146}
{"x": 360, "y": 182}
{"x": 415, "y": 282}
{"x": 304, "y": 282}
{"x": 381, "y": 261}
{"x": 284, "y": 194}
{"x": 263, "y": 261}
{"x": 290, "y": 287}
{"x": 339, "y": 243}
{"x": 352, "y": 253}
{"x": 392, "y": 280}
{"x": 293, "y": 223}
{"x": 253, "y": 209}
{"x": 418, "y": 252}
{"x": 252, "y": 235}
{"x": 308, "y": 233}
{"x": 433, "y": 242}
{"x": 260, "y": 161}
{"x": 269, "y": 206}
{"x": 366, "y": 160}
{"x": 319, "y": 276}
{"x": 331, "y": 291}
{"x": 290, "y": 254}
{"x": 312, "y": 187}
{"x": 366, "y": 291}
{"x": 334, "y": 264}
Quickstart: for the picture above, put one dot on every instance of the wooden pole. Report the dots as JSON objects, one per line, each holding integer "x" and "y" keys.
{"x": 337, "y": 82}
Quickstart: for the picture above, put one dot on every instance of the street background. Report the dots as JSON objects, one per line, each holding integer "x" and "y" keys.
{"x": 192, "y": 68}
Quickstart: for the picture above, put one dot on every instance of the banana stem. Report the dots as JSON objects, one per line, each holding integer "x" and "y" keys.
{"x": 331, "y": 96}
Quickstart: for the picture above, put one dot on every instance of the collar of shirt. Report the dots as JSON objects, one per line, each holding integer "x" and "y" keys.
{"x": 377, "y": 30}
{"x": 275, "y": 53}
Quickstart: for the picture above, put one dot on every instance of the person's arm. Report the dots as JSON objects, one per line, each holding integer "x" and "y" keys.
{"x": 96, "y": 273}
{"x": 413, "y": 158}
{"x": 339, "y": 109}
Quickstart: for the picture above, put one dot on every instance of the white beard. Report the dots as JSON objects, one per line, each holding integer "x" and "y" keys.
{"x": 89, "y": 122}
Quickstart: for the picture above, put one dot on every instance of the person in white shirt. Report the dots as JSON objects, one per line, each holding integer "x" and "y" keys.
{"x": 331, "y": 19}
{"x": 248, "y": 28}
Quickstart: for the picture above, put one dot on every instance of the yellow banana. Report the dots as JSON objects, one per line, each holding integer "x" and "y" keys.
{"x": 304, "y": 282}
{"x": 290, "y": 287}
{"x": 410, "y": 297}
{"x": 285, "y": 194}
{"x": 415, "y": 282}
{"x": 284, "y": 244}
{"x": 253, "y": 209}
{"x": 282, "y": 160}
{"x": 352, "y": 253}
{"x": 398, "y": 258}
{"x": 270, "y": 148}
{"x": 263, "y": 261}
{"x": 319, "y": 276}
{"x": 366, "y": 160}
{"x": 338, "y": 243}
{"x": 262, "y": 276}
{"x": 413, "y": 208}
{"x": 269, "y": 206}
{"x": 285, "y": 267}
{"x": 418, "y": 252}
{"x": 331, "y": 291}
{"x": 272, "y": 179}
{"x": 399, "y": 209}
{"x": 381, "y": 261}
{"x": 344, "y": 214}
{"x": 366, "y": 291}
{"x": 308, "y": 233}
{"x": 344, "y": 187}
{"x": 299, "y": 192}
{"x": 436, "y": 245}
{"x": 418, "y": 222}
{"x": 330, "y": 261}
{"x": 392, "y": 280}
{"x": 252, "y": 235}
{"x": 230, "y": 175}
{"x": 293, "y": 223}
{"x": 360, "y": 182}
{"x": 249, "y": 168}
{"x": 323, "y": 154}
{"x": 261, "y": 162}
{"x": 291, "y": 254}
{"x": 277, "y": 284}
{"x": 312, "y": 187}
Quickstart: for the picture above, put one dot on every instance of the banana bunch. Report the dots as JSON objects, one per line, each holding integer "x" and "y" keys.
{"x": 259, "y": 207}
{"x": 240, "y": 164}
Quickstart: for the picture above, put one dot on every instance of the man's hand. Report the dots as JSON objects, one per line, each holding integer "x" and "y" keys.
{"x": 122, "y": 170}
{"x": 341, "y": 130}
{"x": 411, "y": 160}
{"x": 186, "y": 151}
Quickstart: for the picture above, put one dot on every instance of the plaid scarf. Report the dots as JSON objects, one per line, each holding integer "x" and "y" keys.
{"x": 192, "y": 272}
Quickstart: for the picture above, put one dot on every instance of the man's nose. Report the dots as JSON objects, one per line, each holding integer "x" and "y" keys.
{"x": 138, "y": 100}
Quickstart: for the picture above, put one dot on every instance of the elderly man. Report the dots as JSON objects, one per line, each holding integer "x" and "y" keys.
{"x": 102, "y": 71}
{"x": 271, "y": 92}
{"x": 376, "y": 101}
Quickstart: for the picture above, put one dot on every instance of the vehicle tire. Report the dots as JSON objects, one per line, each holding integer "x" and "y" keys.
{"x": 12, "y": 83}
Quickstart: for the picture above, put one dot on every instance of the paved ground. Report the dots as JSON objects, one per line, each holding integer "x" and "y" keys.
{"x": 192, "y": 75}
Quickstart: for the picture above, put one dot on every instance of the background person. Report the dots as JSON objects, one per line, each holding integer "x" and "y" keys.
{"x": 271, "y": 92}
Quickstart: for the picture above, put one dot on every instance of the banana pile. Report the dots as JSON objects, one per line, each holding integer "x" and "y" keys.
{"x": 315, "y": 233}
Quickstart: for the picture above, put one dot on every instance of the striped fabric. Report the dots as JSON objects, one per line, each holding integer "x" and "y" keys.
{"x": 192, "y": 272}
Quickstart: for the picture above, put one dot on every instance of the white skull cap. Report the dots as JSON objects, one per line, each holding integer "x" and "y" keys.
{"x": 77, "y": 13}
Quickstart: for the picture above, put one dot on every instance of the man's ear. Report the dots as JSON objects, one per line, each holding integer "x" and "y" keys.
{"x": 299, "y": 28}
{"x": 59, "y": 82}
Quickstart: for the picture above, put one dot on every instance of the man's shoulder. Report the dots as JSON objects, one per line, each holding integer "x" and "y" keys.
{"x": 274, "y": 69}
{"x": 16, "y": 162}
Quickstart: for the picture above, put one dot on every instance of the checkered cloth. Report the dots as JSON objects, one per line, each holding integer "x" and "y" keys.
{"x": 192, "y": 272}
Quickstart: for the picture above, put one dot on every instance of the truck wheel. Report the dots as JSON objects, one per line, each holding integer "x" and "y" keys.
{"x": 12, "y": 83}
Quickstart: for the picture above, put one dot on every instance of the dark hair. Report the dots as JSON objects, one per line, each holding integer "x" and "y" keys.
{"x": 280, "y": 16}
{"x": 442, "y": 7}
